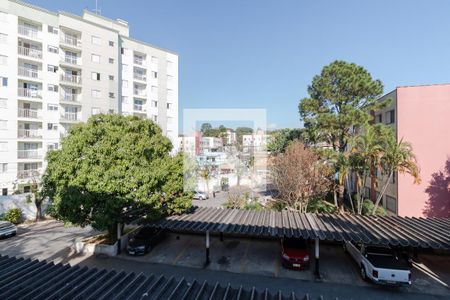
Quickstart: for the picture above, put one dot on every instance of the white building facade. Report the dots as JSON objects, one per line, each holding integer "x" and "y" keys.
{"x": 58, "y": 69}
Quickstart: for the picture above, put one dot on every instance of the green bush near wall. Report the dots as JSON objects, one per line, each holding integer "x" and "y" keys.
{"x": 14, "y": 215}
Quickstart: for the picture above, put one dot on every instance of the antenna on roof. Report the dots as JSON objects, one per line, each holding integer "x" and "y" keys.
{"x": 97, "y": 10}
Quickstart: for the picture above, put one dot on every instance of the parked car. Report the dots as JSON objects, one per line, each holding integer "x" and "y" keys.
{"x": 7, "y": 229}
{"x": 379, "y": 264}
{"x": 294, "y": 253}
{"x": 200, "y": 195}
{"x": 145, "y": 239}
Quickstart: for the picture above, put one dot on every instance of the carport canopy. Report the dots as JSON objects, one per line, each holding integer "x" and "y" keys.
{"x": 394, "y": 231}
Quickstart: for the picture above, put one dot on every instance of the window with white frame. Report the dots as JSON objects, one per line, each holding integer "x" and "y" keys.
{"x": 155, "y": 118}
{"x": 95, "y": 76}
{"x": 52, "y": 68}
{"x": 154, "y": 74}
{"x": 3, "y": 167}
{"x": 96, "y": 94}
{"x": 390, "y": 117}
{"x": 391, "y": 204}
{"x": 53, "y": 30}
{"x": 3, "y": 124}
{"x": 52, "y": 146}
{"x": 169, "y": 105}
{"x": 111, "y": 95}
{"x": 3, "y": 103}
{"x": 95, "y": 110}
{"x": 111, "y": 43}
{"x": 111, "y": 60}
{"x": 3, "y": 81}
{"x": 95, "y": 58}
{"x": 3, "y": 38}
{"x": 52, "y": 49}
{"x": 111, "y": 77}
{"x": 52, "y": 88}
{"x": 3, "y": 146}
{"x": 52, "y": 107}
{"x": 3, "y": 60}
{"x": 154, "y": 103}
{"x": 96, "y": 40}
{"x": 52, "y": 126}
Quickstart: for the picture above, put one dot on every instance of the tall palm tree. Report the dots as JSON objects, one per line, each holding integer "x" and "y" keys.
{"x": 397, "y": 157}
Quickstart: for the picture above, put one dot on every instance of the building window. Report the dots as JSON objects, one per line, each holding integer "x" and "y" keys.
{"x": 154, "y": 74}
{"x": 111, "y": 77}
{"x": 3, "y": 124}
{"x": 53, "y": 49}
{"x": 52, "y": 107}
{"x": 3, "y": 38}
{"x": 52, "y": 146}
{"x": 52, "y": 30}
{"x": 169, "y": 105}
{"x": 3, "y": 60}
{"x": 390, "y": 117}
{"x": 3, "y": 103}
{"x": 155, "y": 118}
{"x": 3, "y": 146}
{"x": 393, "y": 179}
{"x": 122, "y": 50}
{"x": 96, "y": 40}
{"x": 95, "y": 110}
{"x": 111, "y": 43}
{"x": 52, "y": 68}
{"x": 124, "y": 83}
{"x": 3, "y": 167}
{"x": 154, "y": 103}
{"x": 95, "y": 58}
{"x": 391, "y": 204}
{"x": 95, "y": 76}
{"x": 52, "y": 88}
{"x": 96, "y": 94}
{"x": 111, "y": 95}
{"x": 52, "y": 126}
{"x": 3, "y": 81}
{"x": 111, "y": 60}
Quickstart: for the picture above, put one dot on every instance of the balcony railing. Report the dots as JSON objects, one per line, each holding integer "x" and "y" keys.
{"x": 140, "y": 93}
{"x": 28, "y": 31}
{"x": 71, "y": 60}
{"x": 70, "y": 97}
{"x": 24, "y": 174}
{"x": 36, "y": 153}
{"x": 69, "y": 116}
{"x": 29, "y": 93}
{"x": 139, "y": 107}
{"x": 29, "y": 133}
{"x": 139, "y": 76}
{"x": 70, "y": 40}
{"x": 28, "y": 113}
{"x": 27, "y": 72}
{"x": 71, "y": 78}
{"x": 139, "y": 61}
{"x": 34, "y": 53}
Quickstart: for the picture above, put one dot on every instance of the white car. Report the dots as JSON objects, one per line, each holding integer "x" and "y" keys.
{"x": 379, "y": 264}
{"x": 7, "y": 229}
{"x": 200, "y": 195}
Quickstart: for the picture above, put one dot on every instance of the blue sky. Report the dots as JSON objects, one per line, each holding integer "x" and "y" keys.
{"x": 263, "y": 54}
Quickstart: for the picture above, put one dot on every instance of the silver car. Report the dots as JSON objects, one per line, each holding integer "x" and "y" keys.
{"x": 200, "y": 195}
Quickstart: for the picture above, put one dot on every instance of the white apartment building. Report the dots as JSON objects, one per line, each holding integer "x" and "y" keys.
{"x": 255, "y": 142}
{"x": 211, "y": 144}
{"x": 57, "y": 69}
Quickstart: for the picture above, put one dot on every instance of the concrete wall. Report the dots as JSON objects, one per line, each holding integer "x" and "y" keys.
{"x": 19, "y": 201}
{"x": 424, "y": 120}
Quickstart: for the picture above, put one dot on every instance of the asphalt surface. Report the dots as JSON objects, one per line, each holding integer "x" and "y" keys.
{"x": 52, "y": 241}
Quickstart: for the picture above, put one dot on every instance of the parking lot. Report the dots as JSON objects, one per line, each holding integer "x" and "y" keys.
{"x": 262, "y": 257}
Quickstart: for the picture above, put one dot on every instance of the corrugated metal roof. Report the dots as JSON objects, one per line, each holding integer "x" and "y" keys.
{"x": 389, "y": 230}
{"x": 32, "y": 279}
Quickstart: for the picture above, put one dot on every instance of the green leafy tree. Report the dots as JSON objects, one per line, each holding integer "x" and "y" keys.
{"x": 111, "y": 164}
{"x": 280, "y": 139}
{"x": 205, "y": 127}
{"x": 340, "y": 100}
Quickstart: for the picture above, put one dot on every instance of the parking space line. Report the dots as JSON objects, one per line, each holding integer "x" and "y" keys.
{"x": 177, "y": 258}
{"x": 244, "y": 258}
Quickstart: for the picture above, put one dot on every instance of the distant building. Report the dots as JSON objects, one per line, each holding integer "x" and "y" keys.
{"x": 255, "y": 142}
{"x": 211, "y": 144}
{"x": 231, "y": 137}
{"x": 421, "y": 116}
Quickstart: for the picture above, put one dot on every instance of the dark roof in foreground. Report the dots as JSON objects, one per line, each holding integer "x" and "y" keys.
{"x": 390, "y": 230}
{"x": 33, "y": 279}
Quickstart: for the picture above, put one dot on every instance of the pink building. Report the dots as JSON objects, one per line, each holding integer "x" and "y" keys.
{"x": 421, "y": 116}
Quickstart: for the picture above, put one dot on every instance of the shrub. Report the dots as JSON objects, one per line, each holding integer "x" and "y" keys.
{"x": 368, "y": 207}
{"x": 14, "y": 215}
{"x": 51, "y": 211}
{"x": 321, "y": 206}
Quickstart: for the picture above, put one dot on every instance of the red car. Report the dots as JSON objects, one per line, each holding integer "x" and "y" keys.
{"x": 294, "y": 253}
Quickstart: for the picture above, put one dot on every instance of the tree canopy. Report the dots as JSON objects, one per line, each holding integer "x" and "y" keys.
{"x": 282, "y": 138}
{"x": 113, "y": 163}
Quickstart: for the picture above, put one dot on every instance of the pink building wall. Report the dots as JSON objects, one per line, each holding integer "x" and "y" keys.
{"x": 423, "y": 119}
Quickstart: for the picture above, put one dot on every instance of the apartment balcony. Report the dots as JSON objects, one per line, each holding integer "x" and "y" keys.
{"x": 29, "y": 93}
{"x": 28, "y": 52}
{"x": 70, "y": 97}
{"x": 70, "y": 117}
{"x": 139, "y": 93}
{"x": 28, "y": 113}
{"x": 140, "y": 77}
{"x": 29, "y": 32}
{"x": 70, "y": 41}
{"x": 29, "y": 133}
{"x": 71, "y": 61}
{"x": 29, "y": 154}
{"x": 28, "y": 174}
{"x": 68, "y": 78}
{"x": 139, "y": 61}
{"x": 139, "y": 108}
{"x": 29, "y": 73}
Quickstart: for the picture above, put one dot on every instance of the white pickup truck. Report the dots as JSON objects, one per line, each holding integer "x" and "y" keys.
{"x": 379, "y": 264}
